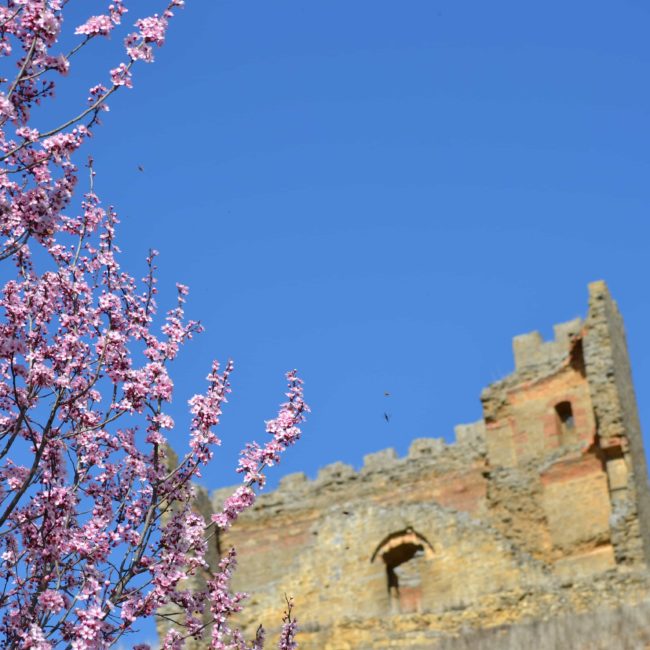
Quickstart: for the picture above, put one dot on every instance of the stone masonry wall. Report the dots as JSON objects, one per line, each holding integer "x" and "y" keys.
{"x": 539, "y": 509}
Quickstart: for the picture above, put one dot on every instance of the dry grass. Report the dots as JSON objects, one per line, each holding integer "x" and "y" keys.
{"x": 626, "y": 628}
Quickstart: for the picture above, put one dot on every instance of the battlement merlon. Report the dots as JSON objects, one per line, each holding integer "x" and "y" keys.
{"x": 530, "y": 350}
{"x": 534, "y": 360}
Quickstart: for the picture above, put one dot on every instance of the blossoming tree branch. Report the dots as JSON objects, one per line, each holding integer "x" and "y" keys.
{"x": 97, "y": 529}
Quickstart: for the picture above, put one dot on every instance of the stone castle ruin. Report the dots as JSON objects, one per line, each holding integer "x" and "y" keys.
{"x": 538, "y": 510}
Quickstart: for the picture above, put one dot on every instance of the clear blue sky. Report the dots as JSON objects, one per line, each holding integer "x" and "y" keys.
{"x": 382, "y": 194}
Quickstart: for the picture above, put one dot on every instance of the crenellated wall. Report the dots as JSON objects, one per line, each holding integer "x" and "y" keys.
{"x": 540, "y": 507}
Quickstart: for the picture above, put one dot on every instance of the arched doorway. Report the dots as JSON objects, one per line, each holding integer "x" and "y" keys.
{"x": 404, "y": 554}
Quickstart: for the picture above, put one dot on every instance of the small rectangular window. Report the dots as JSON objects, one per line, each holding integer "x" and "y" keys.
{"x": 566, "y": 422}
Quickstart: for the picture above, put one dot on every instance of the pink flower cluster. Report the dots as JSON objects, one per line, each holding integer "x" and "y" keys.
{"x": 254, "y": 458}
{"x": 96, "y": 26}
{"x": 104, "y": 509}
{"x": 39, "y": 176}
{"x": 289, "y": 629}
{"x": 97, "y": 526}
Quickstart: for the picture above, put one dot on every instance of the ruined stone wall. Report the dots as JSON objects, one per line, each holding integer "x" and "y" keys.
{"x": 619, "y": 430}
{"x": 540, "y": 508}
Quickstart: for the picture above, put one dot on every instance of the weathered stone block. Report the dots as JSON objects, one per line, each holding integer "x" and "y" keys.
{"x": 335, "y": 472}
{"x": 426, "y": 447}
{"x": 472, "y": 434}
{"x": 379, "y": 459}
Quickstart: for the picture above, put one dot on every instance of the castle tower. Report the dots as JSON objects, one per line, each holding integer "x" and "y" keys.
{"x": 563, "y": 434}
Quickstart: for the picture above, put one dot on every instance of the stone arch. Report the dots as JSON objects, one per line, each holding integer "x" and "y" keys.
{"x": 403, "y": 554}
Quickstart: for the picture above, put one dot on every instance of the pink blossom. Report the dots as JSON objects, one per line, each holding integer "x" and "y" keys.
{"x": 59, "y": 63}
{"x": 15, "y": 475}
{"x": 98, "y": 528}
{"x": 121, "y": 76}
{"x": 289, "y": 629}
{"x": 242, "y": 499}
{"x": 7, "y": 109}
{"x": 116, "y": 11}
{"x": 35, "y": 639}
{"x": 95, "y": 95}
{"x": 27, "y": 133}
{"x": 52, "y": 601}
{"x": 164, "y": 421}
{"x": 96, "y": 25}
{"x": 152, "y": 29}
{"x": 173, "y": 640}
{"x": 87, "y": 631}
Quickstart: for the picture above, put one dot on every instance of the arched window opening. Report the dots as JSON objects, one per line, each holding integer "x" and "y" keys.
{"x": 566, "y": 422}
{"x": 404, "y": 554}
